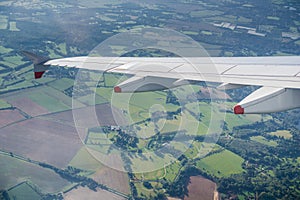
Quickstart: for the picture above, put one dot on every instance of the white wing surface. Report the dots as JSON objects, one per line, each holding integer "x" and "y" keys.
{"x": 279, "y": 77}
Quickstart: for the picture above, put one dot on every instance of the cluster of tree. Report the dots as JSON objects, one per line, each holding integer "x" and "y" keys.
{"x": 125, "y": 141}
{"x": 4, "y": 195}
{"x": 171, "y": 98}
{"x": 255, "y": 182}
{"x": 158, "y": 140}
{"x": 72, "y": 174}
{"x": 257, "y": 128}
{"x": 53, "y": 197}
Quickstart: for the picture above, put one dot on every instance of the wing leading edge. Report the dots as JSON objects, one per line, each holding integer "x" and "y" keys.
{"x": 279, "y": 77}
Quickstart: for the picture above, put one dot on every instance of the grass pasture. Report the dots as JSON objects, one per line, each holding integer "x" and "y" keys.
{"x": 46, "y": 98}
{"x": 205, "y": 13}
{"x": 172, "y": 171}
{"x": 158, "y": 174}
{"x": 263, "y": 140}
{"x": 52, "y": 100}
{"x": 85, "y": 161}
{"x": 98, "y": 4}
{"x": 13, "y": 61}
{"x": 23, "y": 191}
{"x": 222, "y": 164}
{"x": 137, "y": 105}
{"x": 4, "y": 104}
{"x": 6, "y": 3}
{"x": 3, "y": 22}
{"x": 13, "y": 26}
{"x": 14, "y": 171}
{"x": 198, "y": 149}
{"x": 62, "y": 84}
{"x": 150, "y": 162}
{"x": 48, "y": 102}
{"x": 141, "y": 190}
{"x": 92, "y": 99}
{"x": 21, "y": 85}
{"x": 4, "y": 50}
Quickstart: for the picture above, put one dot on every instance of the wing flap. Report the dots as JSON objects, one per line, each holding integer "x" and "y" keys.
{"x": 264, "y": 70}
{"x": 268, "y": 100}
{"x": 146, "y": 83}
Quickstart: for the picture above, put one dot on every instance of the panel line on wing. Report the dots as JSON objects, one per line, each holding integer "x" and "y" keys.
{"x": 175, "y": 68}
{"x": 230, "y": 68}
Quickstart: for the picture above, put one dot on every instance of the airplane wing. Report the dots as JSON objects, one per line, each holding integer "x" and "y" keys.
{"x": 279, "y": 77}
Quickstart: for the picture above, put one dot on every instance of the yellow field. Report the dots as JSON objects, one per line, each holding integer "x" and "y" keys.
{"x": 282, "y": 133}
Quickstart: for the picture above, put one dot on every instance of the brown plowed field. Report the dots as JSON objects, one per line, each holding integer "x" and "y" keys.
{"x": 9, "y": 116}
{"x": 200, "y": 189}
{"x": 41, "y": 140}
{"x": 28, "y": 106}
{"x": 85, "y": 193}
{"x": 113, "y": 179}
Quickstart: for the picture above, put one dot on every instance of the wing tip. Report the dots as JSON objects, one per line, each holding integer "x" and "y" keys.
{"x": 38, "y": 75}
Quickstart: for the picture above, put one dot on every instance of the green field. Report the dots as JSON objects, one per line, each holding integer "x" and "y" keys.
{"x": 273, "y": 18}
{"x": 84, "y": 160}
{"x": 62, "y": 84}
{"x": 3, "y": 22}
{"x": 104, "y": 92}
{"x": 141, "y": 190}
{"x": 98, "y": 4}
{"x": 62, "y": 48}
{"x": 51, "y": 103}
{"x": 263, "y": 140}
{"x": 4, "y": 104}
{"x": 198, "y": 149}
{"x": 4, "y": 50}
{"x": 6, "y": 3}
{"x": 206, "y": 33}
{"x": 190, "y": 32}
{"x": 13, "y": 26}
{"x": 150, "y": 162}
{"x": 148, "y": 176}
{"x": 137, "y": 104}
{"x": 20, "y": 85}
{"x": 244, "y": 20}
{"x": 13, "y": 171}
{"x": 172, "y": 171}
{"x": 12, "y": 61}
{"x": 92, "y": 99}
{"x": 23, "y": 191}
{"x": 205, "y": 13}
{"x": 222, "y": 164}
